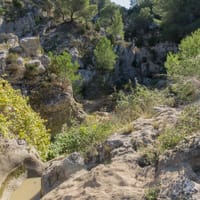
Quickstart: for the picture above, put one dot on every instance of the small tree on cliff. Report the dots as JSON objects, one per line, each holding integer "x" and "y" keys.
{"x": 70, "y": 9}
{"x": 104, "y": 55}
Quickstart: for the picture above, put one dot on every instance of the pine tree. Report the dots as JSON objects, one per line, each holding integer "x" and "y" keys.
{"x": 104, "y": 55}
{"x": 71, "y": 9}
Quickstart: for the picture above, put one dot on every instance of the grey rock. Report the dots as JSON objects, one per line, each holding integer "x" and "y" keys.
{"x": 59, "y": 170}
{"x": 31, "y": 46}
{"x": 34, "y": 67}
{"x": 14, "y": 154}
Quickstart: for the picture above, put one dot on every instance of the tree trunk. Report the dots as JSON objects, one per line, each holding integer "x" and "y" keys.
{"x": 72, "y": 17}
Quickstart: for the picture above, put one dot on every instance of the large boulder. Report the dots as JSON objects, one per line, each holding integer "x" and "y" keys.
{"x": 31, "y": 46}
{"x": 16, "y": 154}
{"x": 115, "y": 169}
{"x": 26, "y": 69}
{"x": 178, "y": 171}
{"x": 55, "y": 103}
{"x": 59, "y": 170}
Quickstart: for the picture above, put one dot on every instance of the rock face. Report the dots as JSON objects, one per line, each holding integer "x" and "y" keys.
{"x": 31, "y": 46}
{"x": 142, "y": 64}
{"x": 60, "y": 170}
{"x": 178, "y": 171}
{"x": 114, "y": 169}
{"x": 23, "y": 65}
{"x": 23, "y": 21}
{"x": 15, "y": 154}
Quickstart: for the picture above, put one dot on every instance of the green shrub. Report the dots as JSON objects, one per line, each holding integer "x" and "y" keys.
{"x": 152, "y": 193}
{"x": 184, "y": 92}
{"x": 18, "y": 120}
{"x": 140, "y": 102}
{"x": 65, "y": 69}
{"x": 186, "y": 62}
{"x": 79, "y": 138}
{"x": 169, "y": 139}
{"x": 188, "y": 123}
{"x": 104, "y": 55}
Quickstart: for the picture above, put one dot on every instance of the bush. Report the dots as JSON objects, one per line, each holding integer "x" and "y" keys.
{"x": 186, "y": 62}
{"x": 18, "y": 120}
{"x": 184, "y": 92}
{"x": 140, "y": 102}
{"x": 104, "y": 55}
{"x": 152, "y": 193}
{"x": 188, "y": 123}
{"x": 79, "y": 138}
{"x": 65, "y": 69}
{"x": 62, "y": 66}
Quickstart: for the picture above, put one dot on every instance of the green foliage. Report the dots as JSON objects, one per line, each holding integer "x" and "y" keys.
{"x": 188, "y": 123}
{"x": 117, "y": 27}
{"x": 72, "y": 9}
{"x": 111, "y": 20}
{"x": 140, "y": 102}
{"x": 79, "y": 138}
{"x": 62, "y": 66}
{"x": 169, "y": 139}
{"x": 104, "y": 55}
{"x": 178, "y": 17}
{"x": 18, "y": 120}
{"x": 152, "y": 193}
{"x": 89, "y": 13}
{"x": 184, "y": 92}
{"x": 141, "y": 17}
{"x": 186, "y": 62}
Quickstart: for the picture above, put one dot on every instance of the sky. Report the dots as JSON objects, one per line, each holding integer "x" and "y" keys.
{"x": 125, "y": 3}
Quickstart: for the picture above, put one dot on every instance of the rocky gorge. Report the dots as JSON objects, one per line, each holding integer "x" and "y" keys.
{"x": 129, "y": 133}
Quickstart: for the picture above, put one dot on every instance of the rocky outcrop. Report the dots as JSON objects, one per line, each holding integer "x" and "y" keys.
{"x": 26, "y": 68}
{"x": 59, "y": 170}
{"x": 143, "y": 64}
{"x": 178, "y": 174}
{"x": 25, "y": 18}
{"x": 114, "y": 169}
{"x": 16, "y": 154}
{"x": 31, "y": 46}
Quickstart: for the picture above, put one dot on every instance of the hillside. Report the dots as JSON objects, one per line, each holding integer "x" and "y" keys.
{"x": 98, "y": 101}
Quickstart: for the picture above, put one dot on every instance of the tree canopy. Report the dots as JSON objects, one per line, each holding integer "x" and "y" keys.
{"x": 104, "y": 55}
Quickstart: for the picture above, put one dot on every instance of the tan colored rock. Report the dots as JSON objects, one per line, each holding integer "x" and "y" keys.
{"x": 31, "y": 46}
{"x": 178, "y": 171}
{"x": 34, "y": 68}
{"x": 56, "y": 104}
{"x": 10, "y": 39}
{"x": 59, "y": 170}
{"x": 120, "y": 178}
{"x": 15, "y": 154}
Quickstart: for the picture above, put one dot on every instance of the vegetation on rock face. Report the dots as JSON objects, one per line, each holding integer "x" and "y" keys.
{"x": 93, "y": 131}
{"x": 62, "y": 66}
{"x": 111, "y": 20}
{"x": 18, "y": 120}
{"x": 80, "y": 138}
{"x": 72, "y": 10}
{"x": 186, "y": 61}
{"x": 152, "y": 193}
{"x": 188, "y": 123}
{"x": 178, "y": 18}
{"x": 139, "y": 103}
{"x": 183, "y": 69}
{"x": 104, "y": 55}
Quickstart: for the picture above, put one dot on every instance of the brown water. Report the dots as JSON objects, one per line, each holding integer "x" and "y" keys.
{"x": 28, "y": 190}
